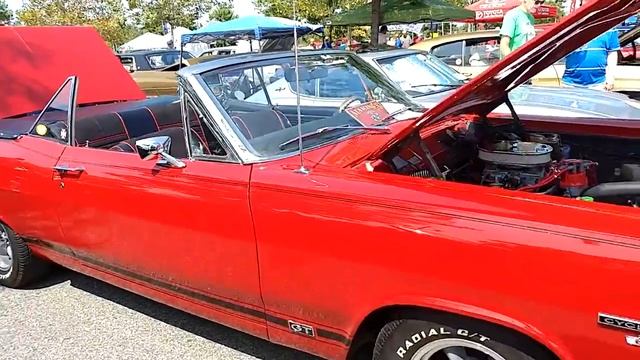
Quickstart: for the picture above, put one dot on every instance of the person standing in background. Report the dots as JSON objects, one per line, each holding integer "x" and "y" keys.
{"x": 406, "y": 39}
{"x": 382, "y": 35}
{"x": 517, "y": 27}
{"x": 326, "y": 44}
{"x": 594, "y": 64}
{"x": 398, "y": 41}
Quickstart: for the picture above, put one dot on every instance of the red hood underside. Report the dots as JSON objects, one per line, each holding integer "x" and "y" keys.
{"x": 36, "y": 60}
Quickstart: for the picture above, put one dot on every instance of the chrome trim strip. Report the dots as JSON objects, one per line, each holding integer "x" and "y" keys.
{"x": 185, "y": 123}
{"x": 71, "y": 114}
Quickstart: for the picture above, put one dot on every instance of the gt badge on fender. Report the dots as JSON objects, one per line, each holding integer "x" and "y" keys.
{"x": 301, "y": 329}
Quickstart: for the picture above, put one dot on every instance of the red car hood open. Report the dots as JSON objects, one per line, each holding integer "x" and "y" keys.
{"x": 36, "y": 60}
{"x": 489, "y": 89}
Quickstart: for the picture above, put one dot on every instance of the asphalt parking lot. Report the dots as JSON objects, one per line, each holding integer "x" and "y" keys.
{"x": 70, "y": 316}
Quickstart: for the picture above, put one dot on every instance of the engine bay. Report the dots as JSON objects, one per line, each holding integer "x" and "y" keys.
{"x": 589, "y": 168}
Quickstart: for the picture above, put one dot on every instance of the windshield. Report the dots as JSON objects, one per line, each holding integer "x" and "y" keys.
{"x": 161, "y": 60}
{"x": 418, "y": 74}
{"x": 336, "y": 91}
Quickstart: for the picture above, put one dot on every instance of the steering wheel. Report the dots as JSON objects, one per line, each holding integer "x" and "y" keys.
{"x": 348, "y": 102}
{"x": 221, "y": 91}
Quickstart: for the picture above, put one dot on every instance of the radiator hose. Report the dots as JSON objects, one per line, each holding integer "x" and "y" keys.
{"x": 613, "y": 189}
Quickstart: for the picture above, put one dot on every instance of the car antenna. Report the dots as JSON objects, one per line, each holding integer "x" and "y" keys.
{"x": 302, "y": 169}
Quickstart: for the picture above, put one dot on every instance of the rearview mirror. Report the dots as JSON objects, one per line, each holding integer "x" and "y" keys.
{"x": 158, "y": 147}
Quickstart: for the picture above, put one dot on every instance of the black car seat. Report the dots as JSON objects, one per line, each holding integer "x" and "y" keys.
{"x": 103, "y": 130}
{"x": 258, "y": 123}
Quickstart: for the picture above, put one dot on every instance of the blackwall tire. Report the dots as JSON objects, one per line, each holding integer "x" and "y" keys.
{"x": 17, "y": 265}
{"x": 428, "y": 340}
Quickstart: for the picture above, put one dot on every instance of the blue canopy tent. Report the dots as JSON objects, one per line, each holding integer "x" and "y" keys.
{"x": 249, "y": 27}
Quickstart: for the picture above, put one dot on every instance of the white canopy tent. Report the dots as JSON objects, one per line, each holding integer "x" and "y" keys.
{"x": 145, "y": 41}
{"x": 195, "y": 48}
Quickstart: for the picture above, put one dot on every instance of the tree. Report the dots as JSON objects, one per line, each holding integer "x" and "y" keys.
{"x": 314, "y": 11}
{"x": 5, "y": 13}
{"x": 154, "y": 13}
{"x": 222, "y": 12}
{"x": 375, "y": 21}
{"x": 108, "y": 16}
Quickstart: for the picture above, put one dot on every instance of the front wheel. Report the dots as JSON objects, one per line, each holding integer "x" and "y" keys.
{"x": 17, "y": 265}
{"x": 426, "y": 340}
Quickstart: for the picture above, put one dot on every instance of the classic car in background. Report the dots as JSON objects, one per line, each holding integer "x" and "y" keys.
{"x": 164, "y": 81}
{"x": 472, "y": 53}
{"x": 429, "y": 80}
{"x": 357, "y": 231}
{"x": 147, "y": 60}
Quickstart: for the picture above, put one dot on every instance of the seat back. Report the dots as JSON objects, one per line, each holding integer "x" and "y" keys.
{"x": 258, "y": 123}
{"x": 115, "y": 126}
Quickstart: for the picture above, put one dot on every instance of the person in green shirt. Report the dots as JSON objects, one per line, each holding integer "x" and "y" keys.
{"x": 517, "y": 26}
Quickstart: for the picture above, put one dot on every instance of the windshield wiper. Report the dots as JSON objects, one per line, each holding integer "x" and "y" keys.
{"x": 323, "y": 130}
{"x": 399, "y": 111}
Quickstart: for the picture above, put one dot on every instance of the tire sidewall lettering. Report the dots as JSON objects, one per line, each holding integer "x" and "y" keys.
{"x": 418, "y": 339}
{"x": 7, "y": 275}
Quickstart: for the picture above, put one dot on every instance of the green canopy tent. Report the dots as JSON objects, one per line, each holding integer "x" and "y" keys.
{"x": 403, "y": 12}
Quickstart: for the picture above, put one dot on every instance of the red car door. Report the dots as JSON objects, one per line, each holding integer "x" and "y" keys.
{"x": 186, "y": 230}
{"x": 28, "y": 164}
{"x": 27, "y": 193}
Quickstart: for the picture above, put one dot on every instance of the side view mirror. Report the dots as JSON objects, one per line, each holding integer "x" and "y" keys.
{"x": 157, "y": 148}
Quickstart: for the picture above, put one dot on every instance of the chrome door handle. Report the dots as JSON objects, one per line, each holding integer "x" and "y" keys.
{"x": 68, "y": 169}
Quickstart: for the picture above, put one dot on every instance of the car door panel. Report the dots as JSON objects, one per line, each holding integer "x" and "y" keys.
{"x": 27, "y": 191}
{"x": 185, "y": 228}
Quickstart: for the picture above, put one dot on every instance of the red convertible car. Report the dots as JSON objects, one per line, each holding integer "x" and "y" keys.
{"x": 396, "y": 234}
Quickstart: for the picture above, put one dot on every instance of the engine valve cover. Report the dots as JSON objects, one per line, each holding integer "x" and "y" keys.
{"x": 516, "y": 153}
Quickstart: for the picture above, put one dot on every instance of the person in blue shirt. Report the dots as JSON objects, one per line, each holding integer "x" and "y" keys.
{"x": 594, "y": 64}
{"x": 326, "y": 44}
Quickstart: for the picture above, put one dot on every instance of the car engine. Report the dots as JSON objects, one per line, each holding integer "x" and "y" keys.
{"x": 540, "y": 163}
{"x": 513, "y": 164}
{"x": 590, "y": 168}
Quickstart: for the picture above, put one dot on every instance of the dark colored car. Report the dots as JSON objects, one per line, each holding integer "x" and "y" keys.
{"x": 145, "y": 60}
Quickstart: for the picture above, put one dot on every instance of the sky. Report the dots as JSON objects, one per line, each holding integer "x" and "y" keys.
{"x": 240, "y": 7}
{"x": 14, "y": 4}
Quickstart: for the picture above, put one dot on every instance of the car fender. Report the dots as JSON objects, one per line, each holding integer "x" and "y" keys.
{"x": 544, "y": 337}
